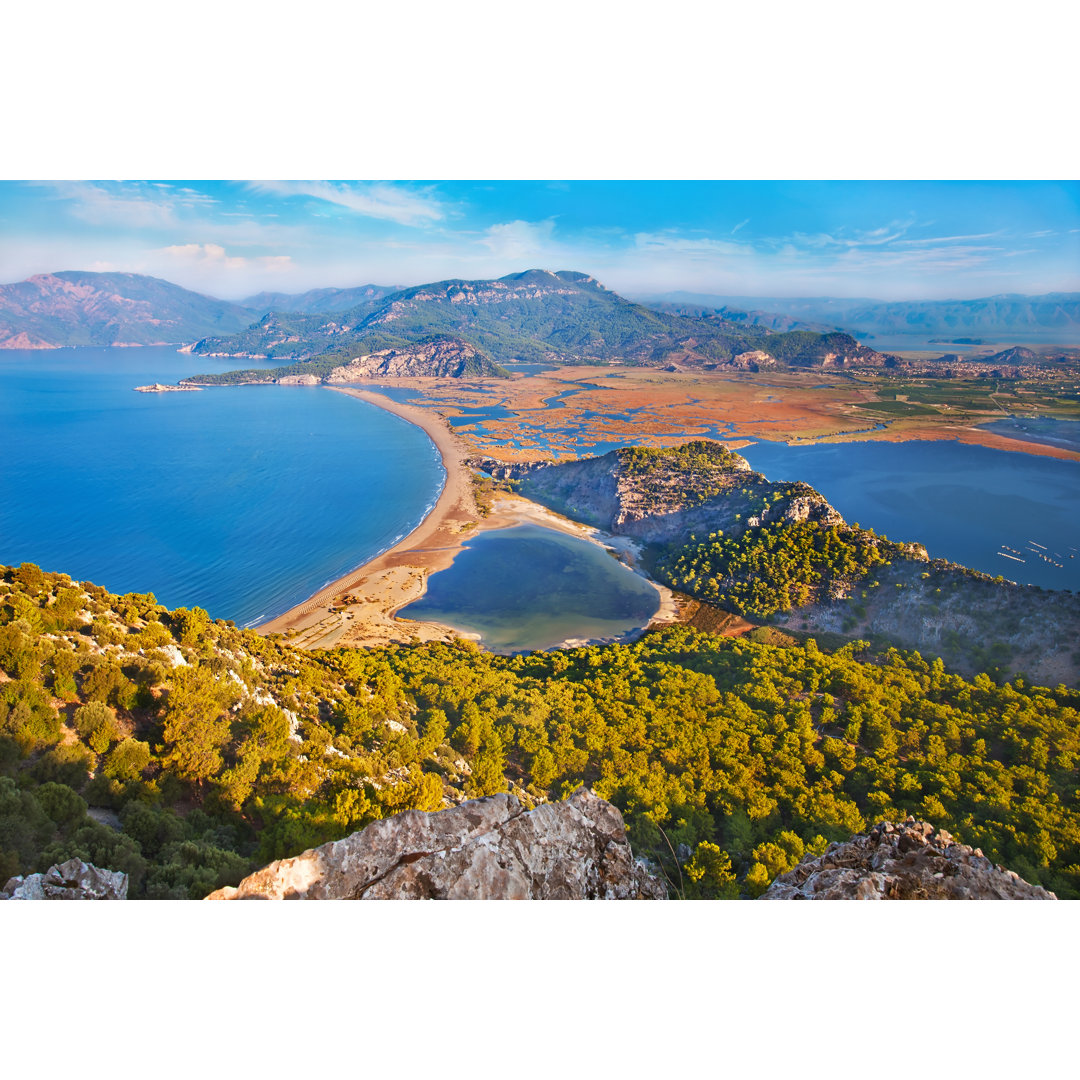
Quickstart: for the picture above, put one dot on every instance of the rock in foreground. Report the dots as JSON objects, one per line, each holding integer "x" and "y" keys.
{"x": 71, "y": 880}
{"x": 485, "y": 849}
{"x": 910, "y": 861}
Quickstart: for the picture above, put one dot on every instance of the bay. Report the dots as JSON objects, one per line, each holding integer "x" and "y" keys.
{"x": 242, "y": 500}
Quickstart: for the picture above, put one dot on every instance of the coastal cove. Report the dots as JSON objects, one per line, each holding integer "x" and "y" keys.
{"x": 243, "y": 501}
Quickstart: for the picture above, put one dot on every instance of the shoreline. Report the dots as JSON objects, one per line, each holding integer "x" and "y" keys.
{"x": 360, "y": 608}
{"x": 425, "y": 547}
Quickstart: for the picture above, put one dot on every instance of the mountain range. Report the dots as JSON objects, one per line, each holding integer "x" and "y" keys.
{"x": 50, "y": 311}
{"x": 1052, "y": 317}
{"x": 536, "y": 315}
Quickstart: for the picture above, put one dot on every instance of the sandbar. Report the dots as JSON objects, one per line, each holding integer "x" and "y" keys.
{"x": 359, "y": 609}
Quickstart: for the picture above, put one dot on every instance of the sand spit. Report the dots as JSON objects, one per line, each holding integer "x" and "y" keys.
{"x": 359, "y": 609}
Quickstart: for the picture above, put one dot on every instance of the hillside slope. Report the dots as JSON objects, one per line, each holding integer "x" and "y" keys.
{"x": 535, "y": 315}
{"x": 50, "y": 311}
{"x": 186, "y": 753}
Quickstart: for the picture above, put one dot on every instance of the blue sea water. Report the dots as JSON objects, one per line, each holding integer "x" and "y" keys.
{"x": 242, "y": 500}
{"x": 963, "y": 502}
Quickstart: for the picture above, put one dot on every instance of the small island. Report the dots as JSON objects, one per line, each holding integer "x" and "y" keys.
{"x": 164, "y": 388}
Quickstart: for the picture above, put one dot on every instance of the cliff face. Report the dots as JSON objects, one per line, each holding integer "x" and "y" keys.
{"x": 910, "y": 861}
{"x": 484, "y": 849}
{"x": 659, "y": 496}
{"x": 445, "y": 358}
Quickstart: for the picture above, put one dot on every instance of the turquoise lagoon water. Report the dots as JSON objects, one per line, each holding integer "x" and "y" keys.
{"x": 528, "y": 587}
{"x": 243, "y": 500}
{"x": 963, "y": 502}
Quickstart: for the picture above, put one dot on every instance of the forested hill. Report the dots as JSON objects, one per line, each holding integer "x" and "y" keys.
{"x": 186, "y": 752}
{"x": 535, "y": 315}
{"x": 81, "y": 308}
{"x": 779, "y": 552}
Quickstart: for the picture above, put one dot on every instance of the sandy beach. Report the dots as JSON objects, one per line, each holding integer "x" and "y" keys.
{"x": 359, "y": 608}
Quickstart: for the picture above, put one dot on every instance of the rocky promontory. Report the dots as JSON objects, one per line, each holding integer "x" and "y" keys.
{"x": 658, "y": 496}
{"x": 483, "y": 849}
{"x": 444, "y": 358}
{"x": 909, "y": 861}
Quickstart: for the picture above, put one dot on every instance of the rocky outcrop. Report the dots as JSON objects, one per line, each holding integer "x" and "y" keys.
{"x": 667, "y": 495}
{"x": 910, "y": 861}
{"x": 445, "y": 358}
{"x": 71, "y": 880}
{"x": 484, "y": 849}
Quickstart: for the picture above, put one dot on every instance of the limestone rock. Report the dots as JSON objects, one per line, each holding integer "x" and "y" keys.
{"x": 483, "y": 849}
{"x": 910, "y": 861}
{"x": 71, "y": 880}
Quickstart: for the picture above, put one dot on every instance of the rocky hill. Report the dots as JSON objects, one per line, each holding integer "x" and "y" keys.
{"x": 780, "y": 553}
{"x": 659, "y": 496}
{"x": 49, "y": 311}
{"x": 444, "y": 358}
{"x": 910, "y": 861}
{"x": 535, "y": 315}
{"x": 484, "y": 849}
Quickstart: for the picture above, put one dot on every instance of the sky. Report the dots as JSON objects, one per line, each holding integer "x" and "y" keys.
{"x": 901, "y": 240}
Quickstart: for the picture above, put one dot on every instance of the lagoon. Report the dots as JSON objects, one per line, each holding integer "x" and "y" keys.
{"x": 529, "y": 587}
{"x": 963, "y": 502}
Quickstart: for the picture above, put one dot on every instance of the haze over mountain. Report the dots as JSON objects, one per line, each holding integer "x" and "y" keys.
{"x": 316, "y": 300}
{"x": 533, "y": 315}
{"x": 1052, "y": 317}
{"x": 49, "y": 311}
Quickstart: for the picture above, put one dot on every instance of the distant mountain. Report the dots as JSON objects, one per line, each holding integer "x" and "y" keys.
{"x": 317, "y": 300}
{"x": 770, "y": 320}
{"x": 564, "y": 317}
{"x": 1054, "y": 317}
{"x": 49, "y": 311}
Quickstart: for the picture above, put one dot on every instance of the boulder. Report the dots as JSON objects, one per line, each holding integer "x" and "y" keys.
{"x": 909, "y": 861}
{"x": 483, "y": 849}
{"x": 71, "y": 880}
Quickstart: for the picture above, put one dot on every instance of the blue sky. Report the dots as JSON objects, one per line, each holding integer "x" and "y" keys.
{"x": 891, "y": 240}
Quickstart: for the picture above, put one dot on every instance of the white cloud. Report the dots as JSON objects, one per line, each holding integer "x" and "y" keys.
{"x": 387, "y": 202}
{"x": 214, "y": 255}
{"x": 520, "y": 239}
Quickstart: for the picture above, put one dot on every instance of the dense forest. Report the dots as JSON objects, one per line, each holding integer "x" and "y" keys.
{"x": 777, "y": 566}
{"x": 186, "y": 752}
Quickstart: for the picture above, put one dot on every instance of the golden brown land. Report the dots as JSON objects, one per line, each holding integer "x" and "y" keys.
{"x": 652, "y": 407}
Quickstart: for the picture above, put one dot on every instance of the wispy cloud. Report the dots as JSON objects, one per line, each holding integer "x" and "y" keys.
{"x": 691, "y": 247}
{"x": 387, "y": 202}
{"x": 128, "y": 205}
{"x": 742, "y": 225}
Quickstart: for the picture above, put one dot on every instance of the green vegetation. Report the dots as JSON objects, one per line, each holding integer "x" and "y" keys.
{"x": 740, "y": 756}
{"x": 533, "y": 316}
{"x": 775, "y": 567}
{"x": 703, "y": 469}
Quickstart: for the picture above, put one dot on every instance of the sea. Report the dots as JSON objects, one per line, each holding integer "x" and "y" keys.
{"x": 246, "y": 500}
{"x": 243, "y": 500}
